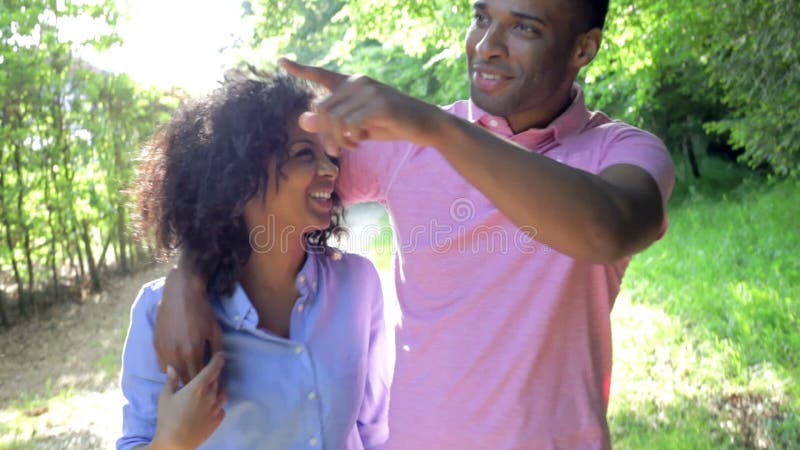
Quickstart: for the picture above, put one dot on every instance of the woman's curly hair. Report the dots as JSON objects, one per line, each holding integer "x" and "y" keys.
{"x": 200, "y": 169}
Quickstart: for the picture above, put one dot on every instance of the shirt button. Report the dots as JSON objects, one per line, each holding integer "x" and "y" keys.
{"x": 236, "y": 317}
{"x": 493, "y": 123}
{"x": 301, "y": 278}
{"x": 298, "y": 349}
{"x": 300, "y": 307}
{"x": 312, "y": 395}
{"x": 312, "y": 442}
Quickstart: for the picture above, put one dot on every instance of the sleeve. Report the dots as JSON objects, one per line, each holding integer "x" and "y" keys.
{"x": 373, "y": 417}
{"x": 367, "y": 174}
{"x": 626, "y": 144}
{"x": 141, "y": 379}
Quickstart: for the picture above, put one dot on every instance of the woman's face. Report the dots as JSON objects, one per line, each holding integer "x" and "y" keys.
{"x": 299, "y": 200}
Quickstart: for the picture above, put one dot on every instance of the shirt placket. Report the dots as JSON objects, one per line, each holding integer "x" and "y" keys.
{"x": 313, "y": 422}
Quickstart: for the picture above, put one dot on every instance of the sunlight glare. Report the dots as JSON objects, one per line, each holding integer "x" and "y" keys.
{"x": 184, "y": 43}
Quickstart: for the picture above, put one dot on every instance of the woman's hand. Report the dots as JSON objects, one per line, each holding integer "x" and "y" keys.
{"x": 189, "y": 415}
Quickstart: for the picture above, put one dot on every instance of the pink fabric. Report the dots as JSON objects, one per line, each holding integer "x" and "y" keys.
{"x": 505, "y": 343}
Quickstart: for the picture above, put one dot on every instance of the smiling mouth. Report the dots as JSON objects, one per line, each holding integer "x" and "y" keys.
{"x": 323, "y": 199}
{"x": 489, "y": 82}
{"x": 489, "y": 76}
{"x": 320, "y": 195}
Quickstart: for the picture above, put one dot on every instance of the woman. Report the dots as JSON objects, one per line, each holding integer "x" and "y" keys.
{"x": 303, "y": 333}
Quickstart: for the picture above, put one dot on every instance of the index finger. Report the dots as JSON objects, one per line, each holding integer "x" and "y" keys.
{"x": 325, "y": 77}
{"x": 211, "y": 371}
{"x": 310, "y": 121}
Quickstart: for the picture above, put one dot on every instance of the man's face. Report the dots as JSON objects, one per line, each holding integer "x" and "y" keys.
{"x": 519, "y": 57}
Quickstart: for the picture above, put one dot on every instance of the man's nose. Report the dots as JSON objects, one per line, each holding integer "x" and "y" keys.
{"x": 492, "y": 44}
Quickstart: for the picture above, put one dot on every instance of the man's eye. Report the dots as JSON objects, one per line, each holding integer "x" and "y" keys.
{"x": 527, "y": 29}
{"x": 479, "y": 18}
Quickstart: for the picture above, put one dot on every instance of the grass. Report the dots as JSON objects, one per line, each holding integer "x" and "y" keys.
{"x": 21, "y": 420}
{"x": 707, "y": 328}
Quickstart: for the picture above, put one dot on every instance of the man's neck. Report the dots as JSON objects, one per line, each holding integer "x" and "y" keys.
{"x": 542, "y": 118}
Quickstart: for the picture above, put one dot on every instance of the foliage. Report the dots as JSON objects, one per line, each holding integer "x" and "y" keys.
{"x": 757, "y": 64}
{"x": 412, "y": 44}
{"x": 698, "y": 74}
{"x": 68, "y": 133}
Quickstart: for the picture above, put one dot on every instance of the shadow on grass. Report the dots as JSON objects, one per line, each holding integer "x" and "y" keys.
{"x": 693, "y": 425}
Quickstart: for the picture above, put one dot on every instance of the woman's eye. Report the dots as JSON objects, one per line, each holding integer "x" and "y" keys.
{"x": 479, "y": 18}
{"x": 305, "y": 153}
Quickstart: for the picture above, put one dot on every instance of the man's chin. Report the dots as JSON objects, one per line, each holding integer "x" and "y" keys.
{"x": 490, "y": 104}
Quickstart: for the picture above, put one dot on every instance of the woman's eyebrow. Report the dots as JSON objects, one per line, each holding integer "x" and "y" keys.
{"x": 301, "y": 141}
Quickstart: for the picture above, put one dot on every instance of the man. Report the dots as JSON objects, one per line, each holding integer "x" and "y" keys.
{"x": 505, "y": 340}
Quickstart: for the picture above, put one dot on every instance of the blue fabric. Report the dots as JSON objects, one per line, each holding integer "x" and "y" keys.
{"x": 324, "y": 387}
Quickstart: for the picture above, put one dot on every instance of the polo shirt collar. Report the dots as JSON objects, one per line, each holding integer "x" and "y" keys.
{"x": 571, "y": 122}
{"x": 239, "y": 310}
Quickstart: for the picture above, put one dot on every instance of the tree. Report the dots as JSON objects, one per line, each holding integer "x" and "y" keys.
{"x": 69, "y": 134}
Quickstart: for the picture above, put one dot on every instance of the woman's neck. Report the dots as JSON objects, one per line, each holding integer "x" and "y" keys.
{"x": 268, "y": 279}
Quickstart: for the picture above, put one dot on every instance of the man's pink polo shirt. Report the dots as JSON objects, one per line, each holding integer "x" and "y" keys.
{"x": 504, "y": 343}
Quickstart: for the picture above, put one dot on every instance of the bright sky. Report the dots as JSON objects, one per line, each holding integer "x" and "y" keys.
{"x": 175, "y": 42}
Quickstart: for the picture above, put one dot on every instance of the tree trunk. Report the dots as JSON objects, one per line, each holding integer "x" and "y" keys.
{"x": 10, "y": 241}
{"x": 20, "y": 217}
{"x": 93, "y": 273}
{"x": 3, "y": 316}
{"x": 52, "y": 258}
{"x": 122, "y": 263}
{"x": 102, "y": 262}
{"x": 692, "y": 159}
{"x": 17, "y": 274}
{"x": 26, "y": 245}
{"x": 77, "y": 245}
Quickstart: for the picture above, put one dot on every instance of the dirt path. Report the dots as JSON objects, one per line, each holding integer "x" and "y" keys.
{"x": 72, "y": 353}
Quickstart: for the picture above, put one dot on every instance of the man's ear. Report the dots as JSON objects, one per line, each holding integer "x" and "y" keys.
{"x": 586, "y": 47}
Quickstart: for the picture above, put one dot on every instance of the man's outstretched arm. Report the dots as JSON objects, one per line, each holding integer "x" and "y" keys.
{"x": 594, "y": 217}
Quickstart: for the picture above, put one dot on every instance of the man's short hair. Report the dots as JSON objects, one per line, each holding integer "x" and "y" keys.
{"x": 594, "y": 12}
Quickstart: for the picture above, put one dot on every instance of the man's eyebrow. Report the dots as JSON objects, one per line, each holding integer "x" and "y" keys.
{"x": 528, "y": 16}
{"x": 479, "y": 5}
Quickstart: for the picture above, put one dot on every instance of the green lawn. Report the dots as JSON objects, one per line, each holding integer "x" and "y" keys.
{"x": 707, "y": 329}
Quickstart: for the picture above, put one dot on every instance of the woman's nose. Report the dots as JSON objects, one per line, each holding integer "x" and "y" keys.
{"x": 326, "y": 167}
